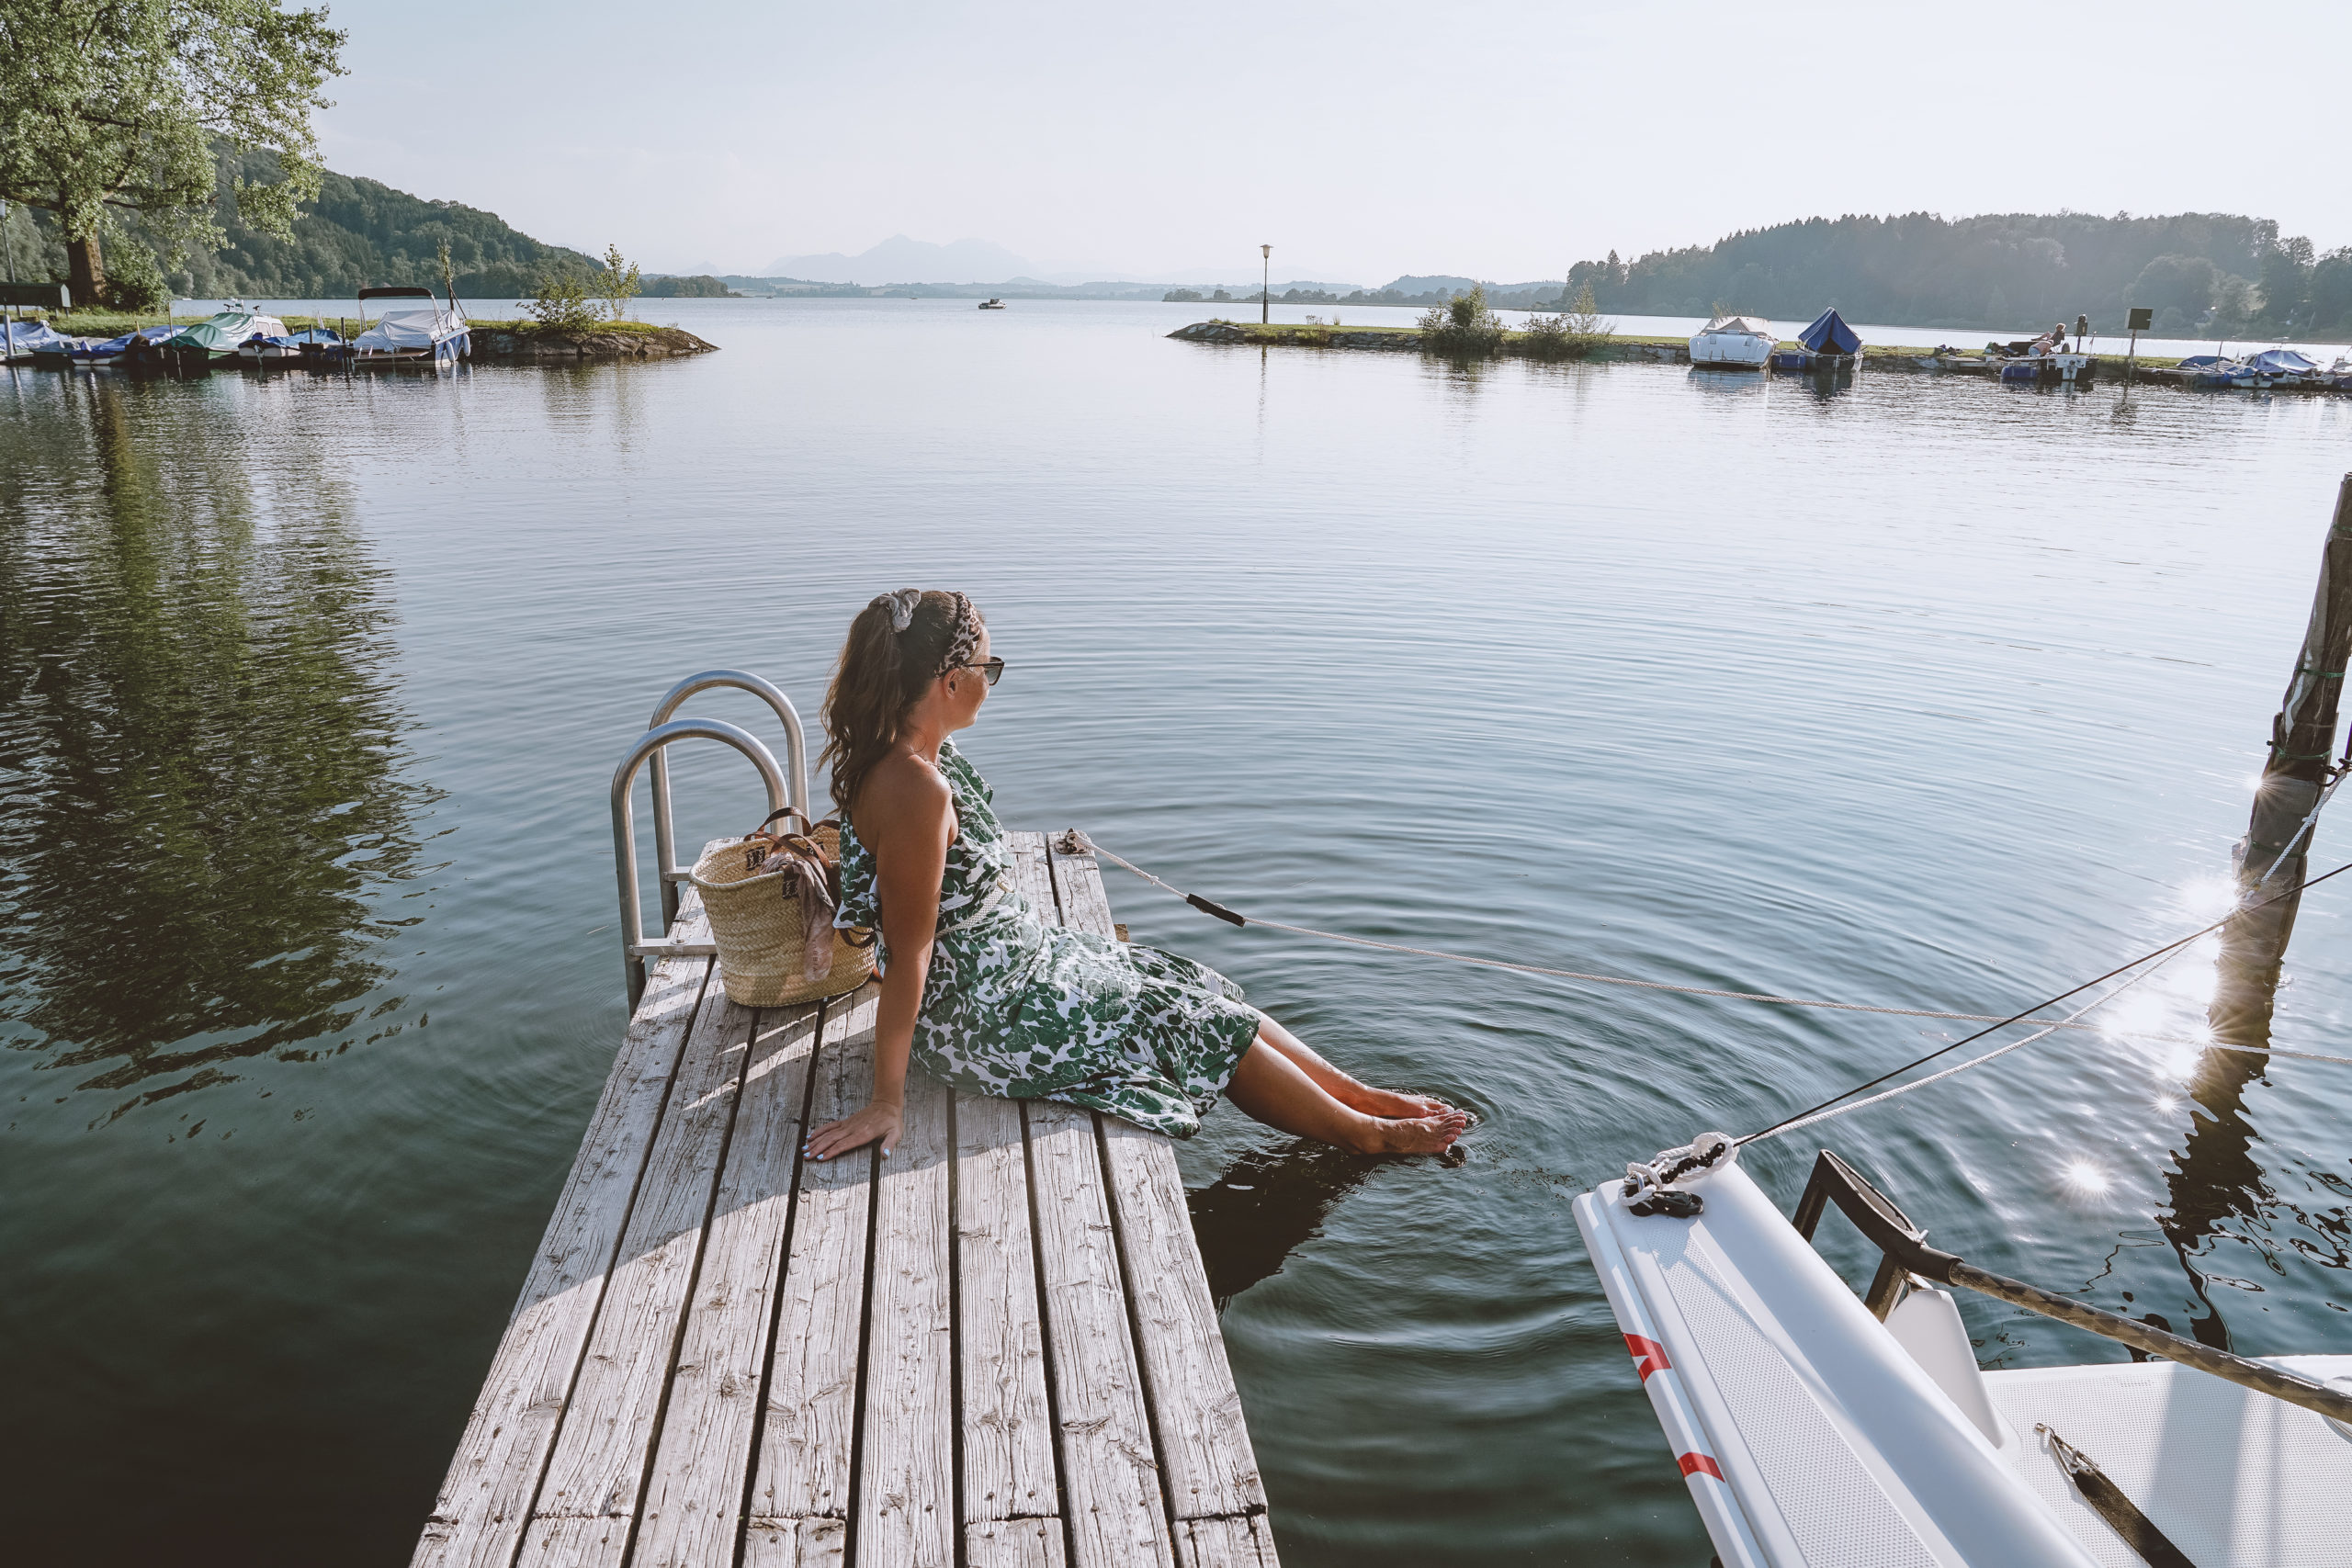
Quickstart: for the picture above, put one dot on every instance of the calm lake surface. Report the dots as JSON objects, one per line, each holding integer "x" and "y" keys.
{"x": 1917, "y": 691}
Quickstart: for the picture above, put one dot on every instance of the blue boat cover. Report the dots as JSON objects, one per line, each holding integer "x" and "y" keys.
{"x": 1830, "y": 334}
{"x": 2283, "y": 361}
{"x": 31, "y": 337}
{"x": 2203, "y": 362}
{"x": 316, "y": 334}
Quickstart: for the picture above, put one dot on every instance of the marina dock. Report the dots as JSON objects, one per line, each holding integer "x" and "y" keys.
{"x": 994, "y": 1349}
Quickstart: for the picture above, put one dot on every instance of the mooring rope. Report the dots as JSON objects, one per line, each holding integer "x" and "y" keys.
{"x": 1075, "y": 842}
{"x": 2166, "y": 950}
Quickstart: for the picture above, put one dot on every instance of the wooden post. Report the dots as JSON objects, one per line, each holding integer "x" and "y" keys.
{"x": 2271, "y": 858}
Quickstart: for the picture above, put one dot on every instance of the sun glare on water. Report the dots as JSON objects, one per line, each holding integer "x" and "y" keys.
{"x": 2083, "y": 1178}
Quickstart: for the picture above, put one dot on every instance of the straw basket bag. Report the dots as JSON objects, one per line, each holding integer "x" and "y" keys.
{"x": 771, "y": 897}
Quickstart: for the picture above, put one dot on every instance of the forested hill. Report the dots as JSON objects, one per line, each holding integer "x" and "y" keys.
{"x": 2002, "y": 273}
{"x": 359, "y": 233}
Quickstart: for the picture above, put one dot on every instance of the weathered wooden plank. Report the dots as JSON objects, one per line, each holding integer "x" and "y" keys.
{"x": 1111, "y": 1480}
{"x": 1203, "y": 1441}
{"x": 1031, "y": 875}
{"x": 1196, "y": 1411}
{"x": 907, "y": 1470}
{"x": 577, "y": 1543}
{"x": 1007, "y": 1422}
{"x": 1013, "y": 1543}
{"x": 796, "y": 1543}
{"x": 1078, "y": 889}
{"x": 478, "y": 1520}
{"x": 598, "y": 1467}
{"x": 1244, "y": 1541}
{"x": 1008, "y": 1425}
{"x": 801, "y": 1468}
{"x": 694, "y": 1498}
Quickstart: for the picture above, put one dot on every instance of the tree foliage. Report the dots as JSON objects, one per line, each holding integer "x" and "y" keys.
{"x": 110, "y": 111}
{"x": 564, "y": 301}
{"x": 1462, "y": 326}
{"x": 2005, "y": 271}
{"x": 620, "y": 282}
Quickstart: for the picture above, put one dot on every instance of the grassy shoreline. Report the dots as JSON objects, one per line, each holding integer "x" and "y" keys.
{"x": 115, "y": 324}
{"x": 1311, "y": 335}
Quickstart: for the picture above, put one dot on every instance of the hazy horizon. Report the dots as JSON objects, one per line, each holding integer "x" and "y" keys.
{"x": 1505, "y": 140}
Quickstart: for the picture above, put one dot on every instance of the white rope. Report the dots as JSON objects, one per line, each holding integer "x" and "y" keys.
{"x": 1076, "y": 843}
{"x": 1955, "y": 1071}
{"x": 2303, "y": 827}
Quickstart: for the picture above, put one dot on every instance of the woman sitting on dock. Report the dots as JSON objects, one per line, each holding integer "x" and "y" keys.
{"x": 993, "y": 996}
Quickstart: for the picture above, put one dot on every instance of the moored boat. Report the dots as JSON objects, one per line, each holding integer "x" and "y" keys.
{"x": 1814, "y": 1426}
{"x": 421, "y": 333}
{"x": 219, "y": 335}
{"x": 991, "y": 304}
{"x": 1734, "y": 343}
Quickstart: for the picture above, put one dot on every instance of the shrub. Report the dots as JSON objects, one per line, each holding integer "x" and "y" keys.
{"x": 1463, "y": 326}
{"x": 563, "y": 303}
{"x": 618, "y": 283}
{"x": 1573, "y": 331}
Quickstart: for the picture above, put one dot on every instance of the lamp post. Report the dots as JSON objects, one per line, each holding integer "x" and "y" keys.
{"x": 1266, "y": 284}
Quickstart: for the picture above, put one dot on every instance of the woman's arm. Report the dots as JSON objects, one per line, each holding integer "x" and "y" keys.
{"x": 907, "y": 818}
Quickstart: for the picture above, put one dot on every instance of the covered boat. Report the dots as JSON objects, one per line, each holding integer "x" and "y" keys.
{"x": 2281, "y": 367}
{"x": 1815, "y": 1427}
{"x": 1734, "y": 343}
{"x": 219, "y": 335}
{"x": 25, "y": 339}
{"x": 420, "y": 332}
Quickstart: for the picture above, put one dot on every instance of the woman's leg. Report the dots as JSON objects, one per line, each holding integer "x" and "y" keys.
{"x": 1348, "y": 1091}
{"x": 1272, "y": 1087}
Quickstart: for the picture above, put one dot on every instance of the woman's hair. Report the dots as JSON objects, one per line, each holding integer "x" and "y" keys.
{"x": 898, "y": 645}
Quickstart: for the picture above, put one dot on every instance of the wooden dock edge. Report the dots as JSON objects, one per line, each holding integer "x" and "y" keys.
{"x": 995, "y": 1349}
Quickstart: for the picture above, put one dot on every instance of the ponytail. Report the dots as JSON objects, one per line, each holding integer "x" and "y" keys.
{"x": 897, "y": 645}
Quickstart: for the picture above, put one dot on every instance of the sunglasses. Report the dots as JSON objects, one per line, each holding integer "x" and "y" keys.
{"x": 991, "y": 670}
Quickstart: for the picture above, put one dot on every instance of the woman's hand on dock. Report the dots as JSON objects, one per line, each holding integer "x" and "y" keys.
{"x": 880, "y": 1118}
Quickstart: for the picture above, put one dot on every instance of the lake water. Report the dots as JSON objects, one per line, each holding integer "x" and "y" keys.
{"x": 1918, "y": 691}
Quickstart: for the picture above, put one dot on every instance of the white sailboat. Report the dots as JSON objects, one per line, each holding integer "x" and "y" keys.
{"x": 1815, "y": 1427}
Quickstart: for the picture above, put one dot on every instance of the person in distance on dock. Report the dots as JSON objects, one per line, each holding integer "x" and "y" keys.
{"x": 991, "y": 994}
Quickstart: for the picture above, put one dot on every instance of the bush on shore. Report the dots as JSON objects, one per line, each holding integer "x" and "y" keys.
{"x": 1463, "y": 326}
{"x": 1573, "y": 331}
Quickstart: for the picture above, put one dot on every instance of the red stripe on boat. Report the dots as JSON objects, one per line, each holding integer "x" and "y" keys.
{"x": 1699, "y": 1464}
{"x": 1649, "y": 1356}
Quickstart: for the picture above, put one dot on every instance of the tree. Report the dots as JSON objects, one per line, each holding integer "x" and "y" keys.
{"x": 620, "y": 282}
{"x": 1462, "y": 326}
{"x": 2285, "y": 280}
{"x": 562, "y": 304}
{"x": 110, "y": 111}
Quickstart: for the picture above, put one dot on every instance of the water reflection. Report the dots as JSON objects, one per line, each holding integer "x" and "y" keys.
{"x": 1269, "y": 1203}
{"x": 202, "y": 801}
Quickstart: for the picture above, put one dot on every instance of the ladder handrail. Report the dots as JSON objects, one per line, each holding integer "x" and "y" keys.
{"x": 652, "y": 744}
{"x": 666, "y": 846}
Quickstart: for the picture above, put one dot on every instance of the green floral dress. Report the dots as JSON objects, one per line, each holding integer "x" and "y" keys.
{"x": 1019, "y": 1006}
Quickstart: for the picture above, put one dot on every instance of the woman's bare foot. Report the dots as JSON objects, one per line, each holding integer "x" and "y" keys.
{"x": 1410, "y": 1135}
{"x": 1389, "y": 1103}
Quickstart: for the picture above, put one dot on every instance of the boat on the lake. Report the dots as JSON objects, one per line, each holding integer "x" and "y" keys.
{"x": 420, "y": 333}
{"x": 1827, "y": 344}
{"x": 991, "y": 304}
{"x": 219, "y": 336}
{"x": 1734, "y": 343}
{"x": 1816, "y": 1426}
{"x": 311, "y": 344}
{"x": 24, "y": 341}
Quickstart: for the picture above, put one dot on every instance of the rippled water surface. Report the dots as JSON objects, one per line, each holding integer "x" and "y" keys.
{"x": 1911, "y": 690}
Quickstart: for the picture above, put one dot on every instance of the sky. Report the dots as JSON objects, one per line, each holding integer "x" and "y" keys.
{"x": 1485, "y": 138}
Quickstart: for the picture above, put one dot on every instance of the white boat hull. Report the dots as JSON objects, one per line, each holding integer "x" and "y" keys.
{"x": 1731, "y": 350}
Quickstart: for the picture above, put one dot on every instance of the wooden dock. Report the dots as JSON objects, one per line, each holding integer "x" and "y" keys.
{"x": 994, "y": 1349}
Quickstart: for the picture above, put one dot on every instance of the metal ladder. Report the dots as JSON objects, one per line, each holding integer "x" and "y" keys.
{"x": 660, "y": 732}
